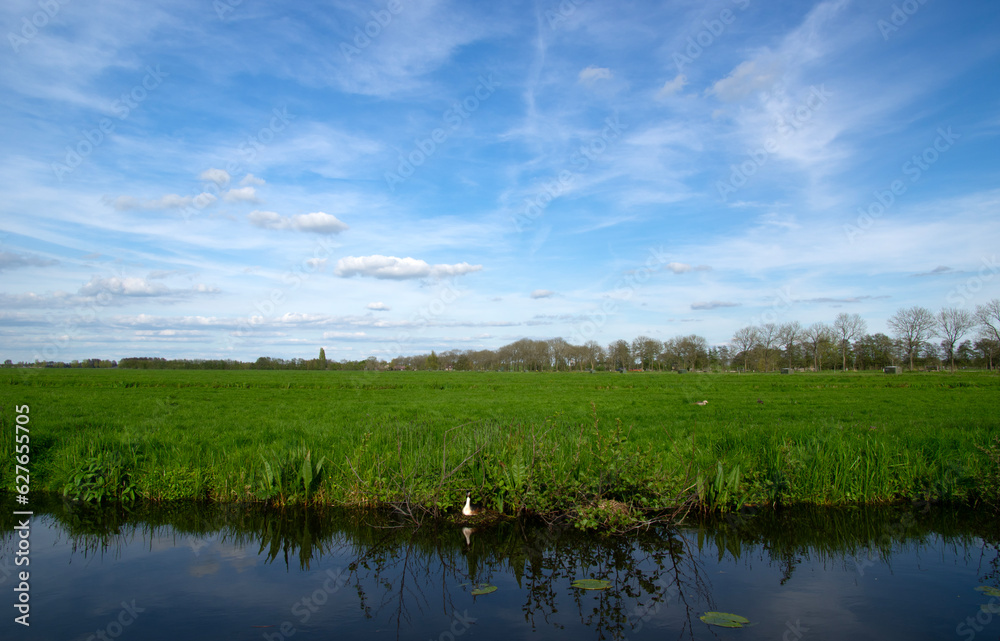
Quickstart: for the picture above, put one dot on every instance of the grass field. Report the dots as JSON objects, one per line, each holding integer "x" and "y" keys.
{"x": 546, "y": 442}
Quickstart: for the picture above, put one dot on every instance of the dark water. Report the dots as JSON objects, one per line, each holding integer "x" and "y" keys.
{"x": 211, "y": 572}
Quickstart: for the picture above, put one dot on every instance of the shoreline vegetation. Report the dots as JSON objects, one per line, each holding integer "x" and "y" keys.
{"x": 602, "y": 451}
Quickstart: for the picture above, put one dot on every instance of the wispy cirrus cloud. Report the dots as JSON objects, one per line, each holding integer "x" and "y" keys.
{"x": 714, "y": 304}
{"x": 11, "y": 260}
{"x": 169, "y": 201}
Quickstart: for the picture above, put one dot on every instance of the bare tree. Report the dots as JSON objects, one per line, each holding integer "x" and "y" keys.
{"x": 767, "y": 337}
{"x": 988, "y": 316}
{"x": 815, "y": 337}
{"x": 952, "y": 324}
{"x": 789, "y": 335}
{"x": 744, "y": 340}
{"x": 847, "y": 328}
{"x": 912, "y": 326}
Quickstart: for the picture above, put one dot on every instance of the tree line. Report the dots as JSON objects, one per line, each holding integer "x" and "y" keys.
{"x": 965, "y": 339}
{"x": 842, "y": 344}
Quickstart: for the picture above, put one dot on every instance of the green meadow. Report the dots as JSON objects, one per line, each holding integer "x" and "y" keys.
{"x": 577, "y": 444}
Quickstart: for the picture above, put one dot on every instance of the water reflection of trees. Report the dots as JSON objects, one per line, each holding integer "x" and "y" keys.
{"x": 401, "y": 572}
{"x": 850, "y": 535}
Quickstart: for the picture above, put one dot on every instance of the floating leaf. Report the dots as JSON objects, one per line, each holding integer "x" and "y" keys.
{"x": 724, "y": 619}
{"x": 591, "y": 584}
{"x": 990, "y": 590}
{"x": 484, "y": 588}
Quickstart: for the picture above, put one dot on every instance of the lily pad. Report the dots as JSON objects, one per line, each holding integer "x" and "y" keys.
{"x": 724, "y": 619}
{"x": 484, "y": 588}
{"x": 990, "y": 590}
{"x": 591, "y": 584}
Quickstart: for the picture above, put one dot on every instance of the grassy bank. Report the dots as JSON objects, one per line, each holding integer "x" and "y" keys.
{"x": 547, "y": 443}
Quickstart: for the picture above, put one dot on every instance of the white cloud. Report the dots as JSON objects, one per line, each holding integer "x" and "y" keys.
{"x": 749, "y": 76}
{"x": 593, "y": 74}
{"x": 128, "y": 286}
{"x": 458, "y": 269}
{"x": 671, "y": 87}
{"x": 316, "y": 222}
{"x": 316, "y": 263}
{"x": 678, "y": 268}
{"x": 220, "y": 177}
{"x": 170, "y": 201}
{"x": 543, "y": 293}
{"x": 250, "y": 179}
{"x": 268, "y": 219}
{"x": 241, "y": 194}
{"x": 379, "y": 307}
{"x": 345, "y": 335}
{"x": 391, "y": 267}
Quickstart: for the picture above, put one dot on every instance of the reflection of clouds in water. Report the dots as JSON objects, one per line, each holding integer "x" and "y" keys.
{"x": 218, "y": 554}
{"x": 204, "y": 568}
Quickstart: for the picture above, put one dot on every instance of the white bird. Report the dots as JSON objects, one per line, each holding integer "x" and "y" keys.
{"x": 469, "y": 509}
{"x": 701, "y": 403}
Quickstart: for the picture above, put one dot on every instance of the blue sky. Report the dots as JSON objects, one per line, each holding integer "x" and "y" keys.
{"x": 235, "y": 179}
